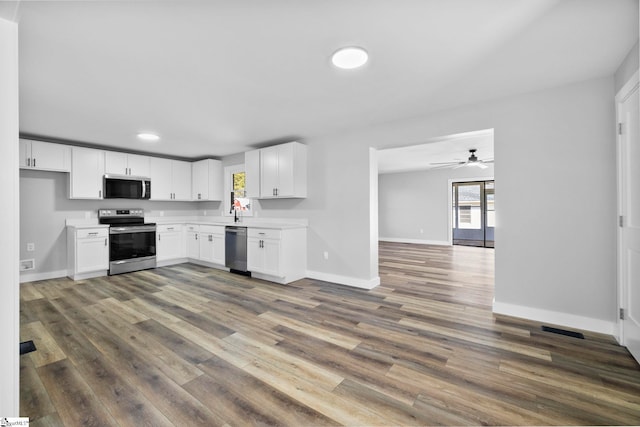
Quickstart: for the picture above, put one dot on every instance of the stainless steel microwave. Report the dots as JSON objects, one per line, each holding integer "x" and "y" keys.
{"x": 126, "y": 187}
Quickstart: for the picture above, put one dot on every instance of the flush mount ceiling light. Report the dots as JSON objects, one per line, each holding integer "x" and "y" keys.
{"x": 148, "y": 137}
{"x": 349, "y": 58}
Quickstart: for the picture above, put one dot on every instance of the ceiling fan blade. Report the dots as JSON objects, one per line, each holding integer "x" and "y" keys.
{"x": 481, "y": 165}
{"x": 448, "y": 166}
{"x": 445, "y": 163}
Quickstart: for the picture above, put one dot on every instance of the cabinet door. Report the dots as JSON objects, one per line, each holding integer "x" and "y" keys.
{"x": 269, "y": 171}
{"x": 255, "y": 255}
{"x": 181, "y": 177}
{"x": 138, "y": 165}
{"x": 206, "y": 247}
{"x": 169, "y": 245}
{"x": 92, "y": 254}
{"x": 193, "y": 245}
{"x": 87, "y": 171}
{"x": 25, "y": 153}
{"x": 115, "y": 163}
{"x": 285, "y": 185}
{"x": 200, "y": 176}
{"x": 271, "y": 249}
{"x": 252, "y": 173}
{"x": 160, "y": 173}
{"x": 218, "y": 248}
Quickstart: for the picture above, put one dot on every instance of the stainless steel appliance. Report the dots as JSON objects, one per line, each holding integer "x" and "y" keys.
{"x": 126, "y": 187}
{"x": 235, "y": 248}
{"x": 132, "y": 242}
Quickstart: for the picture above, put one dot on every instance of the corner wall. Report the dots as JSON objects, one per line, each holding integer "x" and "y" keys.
{"x": 10, "y": 217}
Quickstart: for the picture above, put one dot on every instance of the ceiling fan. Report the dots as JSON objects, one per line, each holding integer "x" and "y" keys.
{"x": 473, "y": 161}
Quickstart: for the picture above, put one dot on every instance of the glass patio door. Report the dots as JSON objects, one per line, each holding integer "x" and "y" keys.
{"x": 473, "y": 213}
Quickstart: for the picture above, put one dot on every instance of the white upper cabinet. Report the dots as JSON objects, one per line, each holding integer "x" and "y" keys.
{"x": 207, "y": 180}
{"x": 279, "y": 171}
{"x": 170, "y": 179}
{"x": 87, "y": 172}
{"x": 252, "y": 174}
{"x": 44, "y": 156}
{"x": 181, "y": 176}
{"x": 126, "y": 164}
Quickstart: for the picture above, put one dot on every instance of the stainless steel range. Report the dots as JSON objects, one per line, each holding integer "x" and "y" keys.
{"x": 132, "y": 242}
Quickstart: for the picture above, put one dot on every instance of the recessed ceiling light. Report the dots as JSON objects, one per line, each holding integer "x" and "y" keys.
{"x": 149, "y": 137}
{"x": 349, "y": 58}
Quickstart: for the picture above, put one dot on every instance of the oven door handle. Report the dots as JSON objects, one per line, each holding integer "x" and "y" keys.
{"x": 124, "y": 230}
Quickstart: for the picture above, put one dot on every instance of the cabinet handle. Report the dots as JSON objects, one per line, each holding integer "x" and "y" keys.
{"x": 93, "y": 233}
{"x": 34, "y": 162}
{"x": 105, "y": 241}
{"x": 196, "y": 237}
{"x": 159, "y": 237}
{"x": 169, "y": 228}
{"x": 100, "y": 194}
{"x": 210, "y": 238}
{"x": 28, "y": 161}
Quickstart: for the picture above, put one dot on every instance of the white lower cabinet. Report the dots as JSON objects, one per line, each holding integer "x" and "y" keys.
{"x": 170, "y": 242}
{"x": 212, "y": 244}
{"x": 205, "y": 243}
{"x": 87, "y": 252}
{"x": 279, "y": 255}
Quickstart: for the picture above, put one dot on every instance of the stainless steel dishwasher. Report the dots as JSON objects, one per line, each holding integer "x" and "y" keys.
{"x": 235, "y": 248}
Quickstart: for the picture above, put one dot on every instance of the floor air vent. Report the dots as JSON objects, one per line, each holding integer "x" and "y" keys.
{"x": 27, "y": 347}
{"x": 563, "y": 332}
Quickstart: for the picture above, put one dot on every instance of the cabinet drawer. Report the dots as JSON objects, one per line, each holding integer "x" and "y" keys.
{"x": 264, "y": 233}
{"x": 212, "y": 229}
{"x": 92, "y": 232}
{"x": 168, "y": 228}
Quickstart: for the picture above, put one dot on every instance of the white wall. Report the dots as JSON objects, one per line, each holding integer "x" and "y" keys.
{"x": 414, "y": 206}
{"x": 554, "y": 152}
{"x": 9, "y": 217}
{"x": 44, "y": 207}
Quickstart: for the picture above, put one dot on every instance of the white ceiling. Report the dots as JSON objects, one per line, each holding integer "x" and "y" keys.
{"x": 452, "y": 148}
{"x": 214, "y": 78}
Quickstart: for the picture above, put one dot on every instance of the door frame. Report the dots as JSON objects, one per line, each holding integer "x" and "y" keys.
{"x": 629, "y": 87}
{"x": 450, "y": 183}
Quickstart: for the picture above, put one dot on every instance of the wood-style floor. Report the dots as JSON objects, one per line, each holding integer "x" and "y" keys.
{"x": 187, "y": 346}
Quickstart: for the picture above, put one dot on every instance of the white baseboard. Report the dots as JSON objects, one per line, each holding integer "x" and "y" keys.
{"x": 34, "y": 277}
{"x": 556, "y": 318}
{"x": 344, "y": 280}
{"x": 415, "y": 241}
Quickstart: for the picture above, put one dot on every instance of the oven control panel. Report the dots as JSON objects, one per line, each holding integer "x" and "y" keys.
{"x": 136, "y": 213}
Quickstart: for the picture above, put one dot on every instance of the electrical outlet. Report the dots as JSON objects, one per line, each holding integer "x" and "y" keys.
{"x": 326, "y": 255}
{"x": 31, "y": 247}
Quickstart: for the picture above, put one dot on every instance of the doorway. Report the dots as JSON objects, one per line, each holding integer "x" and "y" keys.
{"x": 473, "y": 213}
